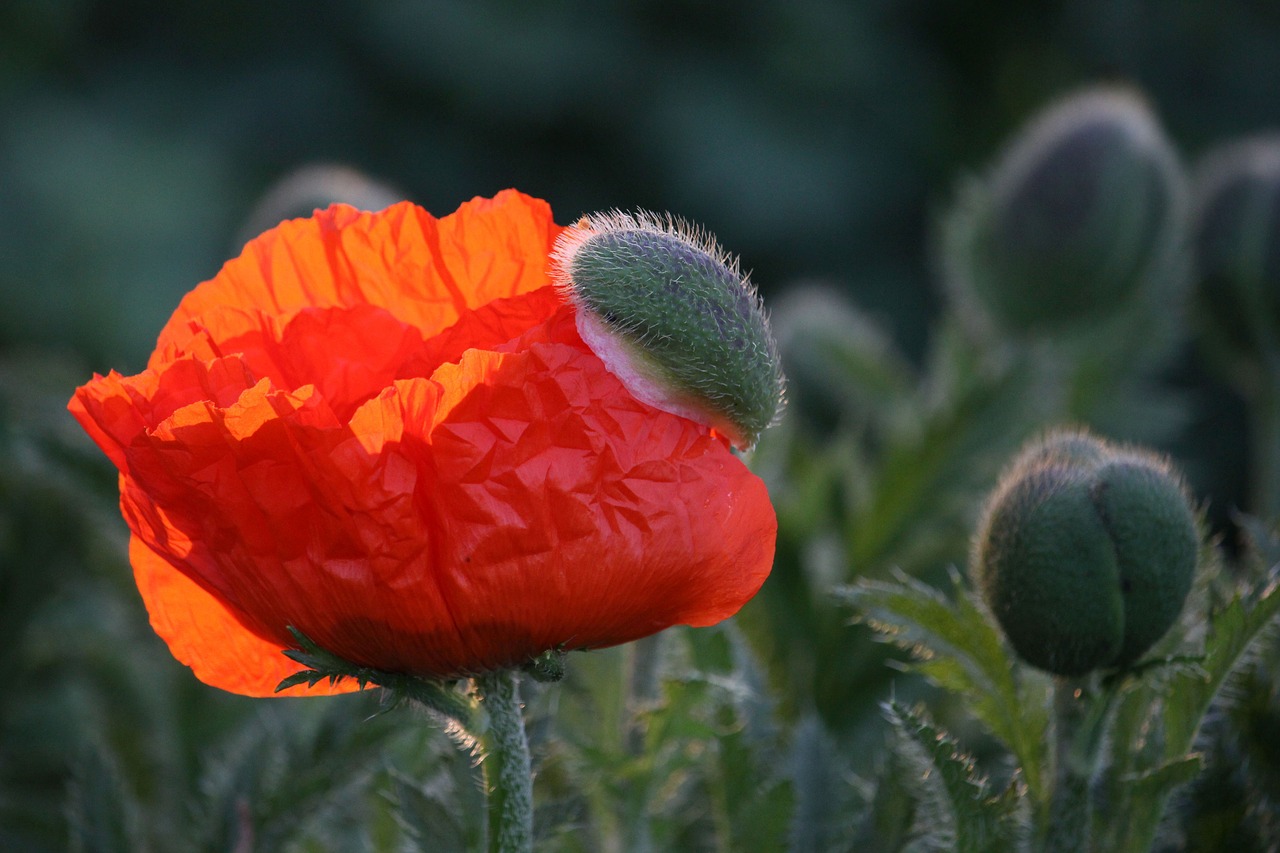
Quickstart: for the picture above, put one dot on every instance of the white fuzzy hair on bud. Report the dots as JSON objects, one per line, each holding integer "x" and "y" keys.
{"x": 669, "y": 312}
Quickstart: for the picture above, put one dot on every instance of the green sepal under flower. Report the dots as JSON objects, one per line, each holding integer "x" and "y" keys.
{"x": 438, "y": 695}
{"x": 548, "y": 667}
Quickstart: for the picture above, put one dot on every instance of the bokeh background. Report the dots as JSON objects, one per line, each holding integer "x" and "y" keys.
{"x": 821, "y": 140}
{"x": 818, "y": 139}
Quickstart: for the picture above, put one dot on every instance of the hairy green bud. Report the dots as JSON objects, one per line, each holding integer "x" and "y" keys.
{"x": 1075, "y": 220}
{"x": 1236, "y": 230}
{"x": 669, "y": 313}
{"x": 1085, "y": 553}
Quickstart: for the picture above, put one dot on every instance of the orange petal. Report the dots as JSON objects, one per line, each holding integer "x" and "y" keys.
{"x": 575, "y": 514}
{"x": 425, "y": 271}
{"x": 208, "y": 636}
{"x": 495, "y": 493}
{"x": 116, "y": 410}
{"x": 294, "y": 520}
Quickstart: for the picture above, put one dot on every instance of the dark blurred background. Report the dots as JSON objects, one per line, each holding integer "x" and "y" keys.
{"x": 821, "y": 140}
{"x": 817, "y": 138}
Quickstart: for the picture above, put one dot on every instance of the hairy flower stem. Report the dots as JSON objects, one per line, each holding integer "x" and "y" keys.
{"x": 1079, "y": 715}
{"x": 507, "y": 772}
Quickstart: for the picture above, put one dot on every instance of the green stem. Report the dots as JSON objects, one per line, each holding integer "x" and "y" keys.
{"x": 507, "y": 772}
{"x": 642, "y": 689}
{"x": 1079, "y": 716}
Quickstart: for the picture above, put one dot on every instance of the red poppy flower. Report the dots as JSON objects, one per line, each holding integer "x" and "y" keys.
{"x": 384, "y": 430}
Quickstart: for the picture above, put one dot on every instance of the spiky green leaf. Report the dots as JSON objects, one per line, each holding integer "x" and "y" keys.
{"x": 979, "y": 822}
{"x": 427, "y": 816}
{"x": 1160, "y": 715}
{"x": 1231, "y": 631}
{"x": 958, "y": 648}
{"x": 1168, "y": 776}
{"x": 441, "y": 696}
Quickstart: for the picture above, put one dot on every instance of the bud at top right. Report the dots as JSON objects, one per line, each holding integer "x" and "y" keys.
{"x": 1074, "y": 222}
{"x": 1236, "y": 230}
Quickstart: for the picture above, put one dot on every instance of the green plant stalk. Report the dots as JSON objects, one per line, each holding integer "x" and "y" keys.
{"x": 642, "y": 689}
{"x": 1079, "y": 717}
{"x": 507, "y": 771}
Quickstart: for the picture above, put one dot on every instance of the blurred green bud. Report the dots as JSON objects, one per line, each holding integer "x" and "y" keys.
{"x": 1076, "y": 219}
{"x": 318, "y": 185}
{"x": 668, "y": 312}
{"x": 1236, "y": 230}
{"x": 840, "y": 364}
{"x": 1085, "y": 553}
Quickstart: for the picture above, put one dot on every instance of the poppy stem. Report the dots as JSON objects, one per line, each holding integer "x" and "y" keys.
{"x": 507, "y": 771}
{"x": 1080, "y": 713}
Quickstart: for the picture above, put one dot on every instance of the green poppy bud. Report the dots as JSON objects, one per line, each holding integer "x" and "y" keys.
{"x": 1236, "y": 228}
{"x": 1085, "y": 553}
{"x": 841, "y": 366}
{"x": 1075, "y": 221}
{"x": 668, "y": 312}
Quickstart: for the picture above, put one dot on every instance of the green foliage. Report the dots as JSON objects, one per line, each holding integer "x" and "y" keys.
{"x": 1230, "y": 631}
{"x": 666, "y": 744}
{"x": 894, "y": 487}
{"x": 1160, "y": 716}
{"x": 959, "y": 812}
{"x": 1235, "y": 802}
{"x": 432, "y": 818}
{"x": 128, "y": 175}
{"x": 823, "y": 800}
{"x": 957, "y": 647}
{"x": 327, "y": 777}
{"x": 103, "y": 815}
{"x": 1148, "y": 717}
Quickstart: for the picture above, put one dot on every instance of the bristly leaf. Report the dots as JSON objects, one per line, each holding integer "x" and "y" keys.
{"x": 1232, "y": 630}
{"x": 914, "y": 509}
{"x": 958, "y": 648}
{"x": 885, "y": 821}
{"x": 1163, "y": 779}
{"x": 304, "y": 778}
{"x": 1159, "y": 717}
{"x": 979, "y": 821}
{"x": 440, "y": 696}
{"x": 427, "y": 816}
